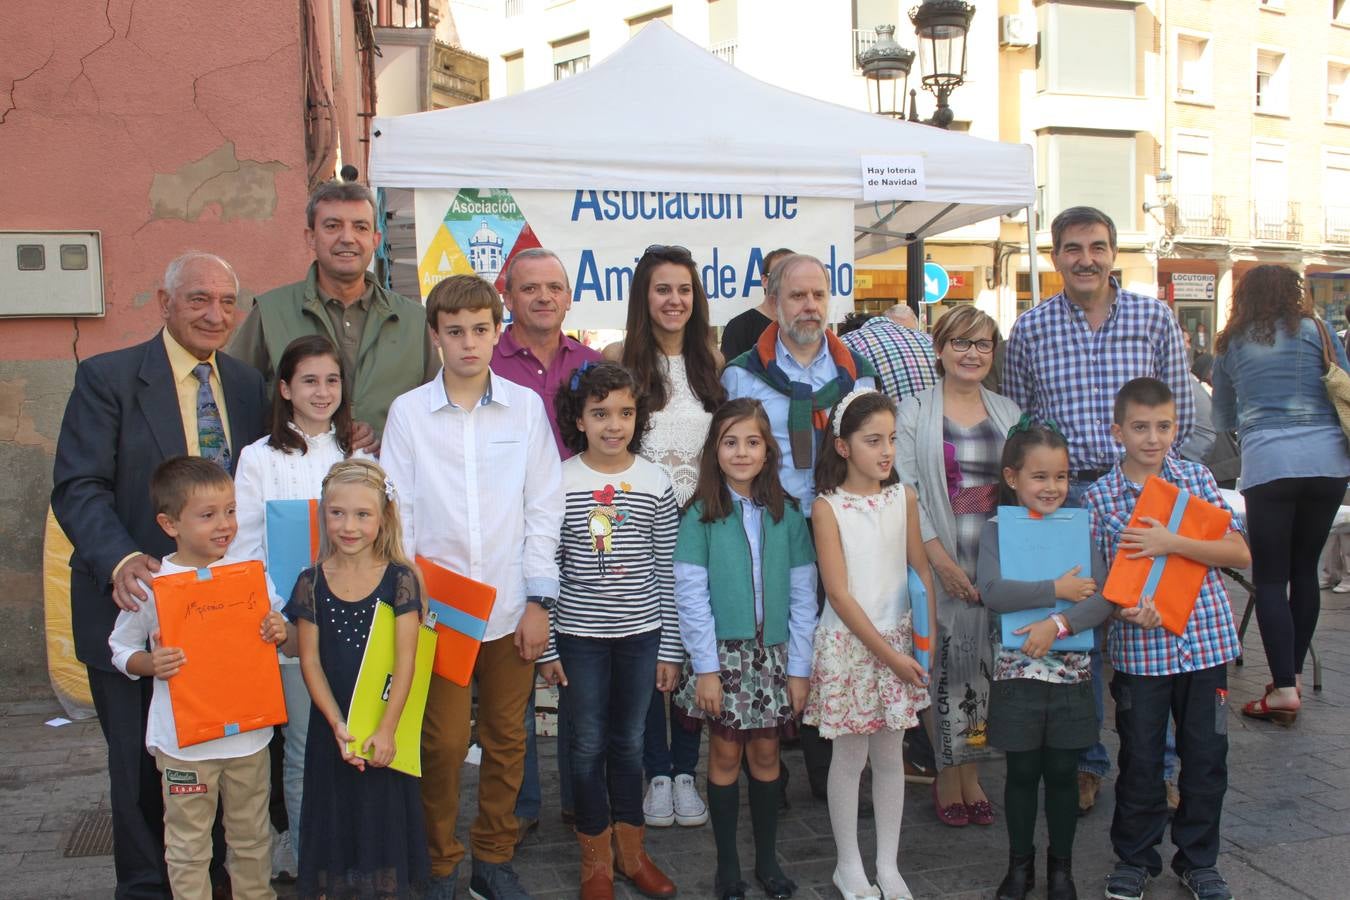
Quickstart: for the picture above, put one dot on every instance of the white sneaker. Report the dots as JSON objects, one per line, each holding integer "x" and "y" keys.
{"x": 658, "y": 808}
{"x": 1342, "y": 588}
{"x": 284, "y": 866}
{"x": 1325, "y": 581}
{"x": 689, "y": 806}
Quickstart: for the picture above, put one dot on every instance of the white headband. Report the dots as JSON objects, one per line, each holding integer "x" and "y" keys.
{"x": 843, "y": 405}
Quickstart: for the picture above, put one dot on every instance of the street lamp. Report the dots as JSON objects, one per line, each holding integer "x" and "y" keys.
{"x": 942, "y": 26}
{"x": 886, "y": 64}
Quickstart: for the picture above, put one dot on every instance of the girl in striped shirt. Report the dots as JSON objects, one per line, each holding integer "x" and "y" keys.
{"x": 614, "y": 635}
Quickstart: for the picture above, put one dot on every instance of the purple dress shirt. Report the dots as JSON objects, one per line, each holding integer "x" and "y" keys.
{"x": 516, "y": 363}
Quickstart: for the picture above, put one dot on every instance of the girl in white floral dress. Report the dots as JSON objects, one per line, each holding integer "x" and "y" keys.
{"x": 866, "y": 687}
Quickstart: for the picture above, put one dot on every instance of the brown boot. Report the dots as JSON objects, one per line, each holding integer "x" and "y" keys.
{"x": 633, "y": 863}
{"x": 597, "y": 866}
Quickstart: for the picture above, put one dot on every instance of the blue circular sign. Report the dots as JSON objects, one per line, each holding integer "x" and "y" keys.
{"x": 935, "y": 282}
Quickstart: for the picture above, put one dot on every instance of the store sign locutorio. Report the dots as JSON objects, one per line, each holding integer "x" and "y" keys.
{"x": 600, "y": 235}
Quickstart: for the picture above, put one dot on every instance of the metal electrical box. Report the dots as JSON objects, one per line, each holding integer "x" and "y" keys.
{"x": 51, "y": 273}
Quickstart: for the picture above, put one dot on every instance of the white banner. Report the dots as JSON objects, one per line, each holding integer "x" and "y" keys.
{"x": 600, "y": 235}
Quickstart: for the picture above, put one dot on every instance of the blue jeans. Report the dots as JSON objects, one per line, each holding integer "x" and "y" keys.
{"x": 296, "y": 731}
{"x": 530, "y": 799}
{"x": 680, "y": 755}
{"x": 1094, "y": 759}
{"x": 613, "y": 679}
{"x": 1197, "y": 701}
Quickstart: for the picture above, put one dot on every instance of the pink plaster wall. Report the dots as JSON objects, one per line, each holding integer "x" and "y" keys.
{"x": 97, "y": 99}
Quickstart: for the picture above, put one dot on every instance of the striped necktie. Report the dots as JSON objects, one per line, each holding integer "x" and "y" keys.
{"x": 210, "y": 429}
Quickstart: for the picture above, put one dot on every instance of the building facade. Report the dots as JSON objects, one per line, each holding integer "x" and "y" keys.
{"x": 1256, "y": 136}
{"x": 130, "y": 133}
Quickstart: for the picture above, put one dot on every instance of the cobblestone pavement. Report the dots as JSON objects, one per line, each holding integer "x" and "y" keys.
{"x": 1286, "y": 832}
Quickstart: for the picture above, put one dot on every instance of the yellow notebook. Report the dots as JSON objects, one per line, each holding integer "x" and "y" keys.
{"x": 370, "y": 697}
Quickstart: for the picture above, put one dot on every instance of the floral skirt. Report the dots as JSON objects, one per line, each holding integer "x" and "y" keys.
{"x": 852, "y": 692}
{"x": 754, "y": 693}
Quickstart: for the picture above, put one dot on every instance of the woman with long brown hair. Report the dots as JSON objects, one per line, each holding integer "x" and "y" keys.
{"x": 1268, "y": 385}
{"x": 669, "y": 348}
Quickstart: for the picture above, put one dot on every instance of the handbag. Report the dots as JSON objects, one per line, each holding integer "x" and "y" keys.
{"x": 1335, "y": 379}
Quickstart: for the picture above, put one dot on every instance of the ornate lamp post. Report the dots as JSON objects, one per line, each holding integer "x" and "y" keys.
{"x": 941, "y": 27}
{"x": 886, "y": 64}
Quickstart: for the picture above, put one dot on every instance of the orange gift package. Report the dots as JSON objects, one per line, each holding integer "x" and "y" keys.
{"x": 230, "y": 681}
{"x": 461, "y": 606}
{"x": 1171, "y": 583}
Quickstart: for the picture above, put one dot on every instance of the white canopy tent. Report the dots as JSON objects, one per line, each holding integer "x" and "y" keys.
{"x": 663, "y": 114}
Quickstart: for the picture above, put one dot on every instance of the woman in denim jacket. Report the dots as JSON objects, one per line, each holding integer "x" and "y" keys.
{"x": 1268, "y": 384}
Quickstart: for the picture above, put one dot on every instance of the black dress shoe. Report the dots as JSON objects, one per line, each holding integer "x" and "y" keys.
{"x": 777, "y": 887}
{"x": 733, "y": 891}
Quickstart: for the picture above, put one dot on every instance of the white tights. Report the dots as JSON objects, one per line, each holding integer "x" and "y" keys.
{"x": 851, "y": 752}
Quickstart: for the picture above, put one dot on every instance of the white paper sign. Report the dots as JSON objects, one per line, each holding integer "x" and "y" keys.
{"x": 893, "y": 178}
{"x": 1191, "y": 286}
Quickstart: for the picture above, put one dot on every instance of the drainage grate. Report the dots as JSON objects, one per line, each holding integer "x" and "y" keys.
{"x": 92, "y": 835}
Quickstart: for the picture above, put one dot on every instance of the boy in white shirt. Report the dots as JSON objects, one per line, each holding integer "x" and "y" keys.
{"x": 480, "y": 493}
{"x": 194, "y": 504}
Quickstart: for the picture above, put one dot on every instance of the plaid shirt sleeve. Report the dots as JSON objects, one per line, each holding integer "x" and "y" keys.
{"x": 1017, "y": 373}
{"x": 1172, "y": 370}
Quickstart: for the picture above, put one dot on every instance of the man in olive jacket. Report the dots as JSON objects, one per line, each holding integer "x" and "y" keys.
{"x": 380, "y": 336}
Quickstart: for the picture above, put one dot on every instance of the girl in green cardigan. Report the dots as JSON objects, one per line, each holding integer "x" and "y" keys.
{"x": 745, "y": 589}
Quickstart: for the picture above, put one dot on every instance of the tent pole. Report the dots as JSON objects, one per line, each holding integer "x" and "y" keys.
{"x": 1031, "y": 258}
{"x": 914, "y": 274}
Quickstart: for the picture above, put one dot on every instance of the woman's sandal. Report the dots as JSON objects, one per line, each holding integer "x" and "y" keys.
{"x": 1270, "y": 689}
{"x": 1259, "y": 709}
{"x": 981, "y": 812}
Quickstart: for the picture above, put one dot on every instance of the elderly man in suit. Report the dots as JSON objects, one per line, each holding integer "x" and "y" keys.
{"x": 131, "y": 409}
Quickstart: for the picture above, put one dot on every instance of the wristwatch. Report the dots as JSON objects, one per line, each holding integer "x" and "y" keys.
{"x": 1062, "y": 624}
{"x": 544, "y": 603}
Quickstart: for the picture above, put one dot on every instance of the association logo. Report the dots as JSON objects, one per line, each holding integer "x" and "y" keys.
{"x": 480, "y": 232}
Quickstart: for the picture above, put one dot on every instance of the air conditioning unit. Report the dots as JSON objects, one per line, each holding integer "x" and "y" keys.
{"x": 1016, "y": 31}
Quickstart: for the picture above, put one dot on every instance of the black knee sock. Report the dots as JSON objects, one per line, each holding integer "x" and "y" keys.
{"x": 1020, "y": 796}
{"x": 724, "y": 805}
{"x": 1061, "y": 799}
{"x": 764, "y": 818}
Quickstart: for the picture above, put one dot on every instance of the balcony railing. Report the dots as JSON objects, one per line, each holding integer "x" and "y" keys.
{"x": 458, "y": 85}
{"x": 1276, "y": 220}
{"x": 862, "y": 39}
{"x": 515, "y": 8}
{"x": 1336, "y": 226}
{"x": 1198, "y": 215}
{"x": 404, "y": 14}
{"x": 725, "y": 51}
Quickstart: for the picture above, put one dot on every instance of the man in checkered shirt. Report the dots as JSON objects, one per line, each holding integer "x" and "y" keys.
{"x": 1065, "y": 361}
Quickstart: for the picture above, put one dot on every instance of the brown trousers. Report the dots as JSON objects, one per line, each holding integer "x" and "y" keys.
{"x": 191, "y": 791}
{"x": 504, "y": 684}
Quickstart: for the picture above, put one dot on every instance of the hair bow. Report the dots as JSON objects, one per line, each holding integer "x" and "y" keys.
{"x": 389, "y": 489}
{"x": 575, "y": 383}
{"x": 1028, "y": 422}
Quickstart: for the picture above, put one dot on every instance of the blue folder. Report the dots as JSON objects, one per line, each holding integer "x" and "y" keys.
{"x": 292, "y": 541}
{"x": 923, "y": 630}
{"x": 1036, "y": 549}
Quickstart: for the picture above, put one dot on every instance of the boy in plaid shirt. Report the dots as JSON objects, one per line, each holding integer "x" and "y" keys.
{"x": 1158, "y": 674}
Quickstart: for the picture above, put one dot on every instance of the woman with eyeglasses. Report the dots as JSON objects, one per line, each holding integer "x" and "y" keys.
{"x": 950, "y": 439}
{"x": 669, "y": 348}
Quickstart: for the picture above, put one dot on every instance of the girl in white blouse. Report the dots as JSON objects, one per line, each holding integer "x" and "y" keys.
{"x": 311, "y": 430}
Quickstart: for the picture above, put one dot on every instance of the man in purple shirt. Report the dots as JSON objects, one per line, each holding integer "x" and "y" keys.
{"x": 534, "y": 353}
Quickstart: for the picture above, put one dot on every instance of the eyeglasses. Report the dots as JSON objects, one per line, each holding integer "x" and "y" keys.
{"x": 961, "y": 345}
{"x": 668, "y": 250}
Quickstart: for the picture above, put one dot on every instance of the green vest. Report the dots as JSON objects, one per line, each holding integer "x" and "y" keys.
{"x": 723, "y": 548}
{"x": 391, "y": 359}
